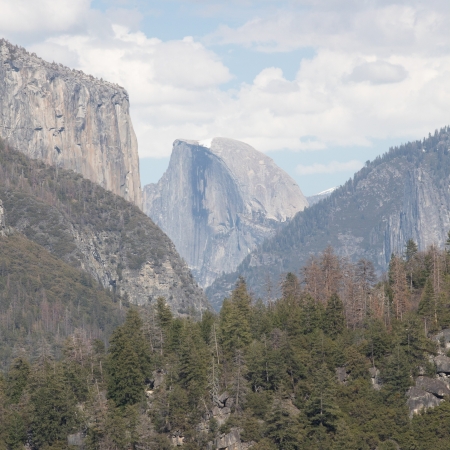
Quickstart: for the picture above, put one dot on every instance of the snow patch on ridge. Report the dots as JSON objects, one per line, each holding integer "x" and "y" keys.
{"x": 205, "y": 143}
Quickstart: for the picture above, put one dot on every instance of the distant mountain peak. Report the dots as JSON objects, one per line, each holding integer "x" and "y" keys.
{"x": 218, "y": 200}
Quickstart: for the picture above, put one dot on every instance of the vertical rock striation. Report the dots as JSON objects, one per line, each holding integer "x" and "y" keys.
{"x": 405, "y": 194}
{"x": 69, "y": 119}
{"x": 218, "y": 203}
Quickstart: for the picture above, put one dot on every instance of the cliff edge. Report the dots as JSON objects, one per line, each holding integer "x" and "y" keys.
{"x": 218, "y": 201}
{"x": 70, "y": 120}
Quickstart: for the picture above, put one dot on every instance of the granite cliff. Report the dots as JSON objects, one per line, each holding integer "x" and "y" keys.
{"x": 95, "y": 230}
{"x": 219, "y": 201}
{"x": 69, "y": 119}
{"x": 402, "y": 195}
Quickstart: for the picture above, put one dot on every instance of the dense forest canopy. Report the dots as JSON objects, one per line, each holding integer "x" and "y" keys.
{"x": 326, "y": 366}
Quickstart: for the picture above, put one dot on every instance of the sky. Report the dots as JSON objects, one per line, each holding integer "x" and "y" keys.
{"x": 321, "y": 86}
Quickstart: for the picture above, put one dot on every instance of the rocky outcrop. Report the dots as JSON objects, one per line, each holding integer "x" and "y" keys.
{"x": 442, "y": 364}
{"x": 218, "y": 203}
{"x": 316, "y": 198}
{"x": 97, "y": 231}
{"x": 69, "y": 119}
{"x": 419, "y": 400}
{"x": 433, "y": 385}
{"x": 402, "y": 195}
{"x": 342, "y": 375}
{"x": 375, "y": 378}
{"x": 229, "y": 441}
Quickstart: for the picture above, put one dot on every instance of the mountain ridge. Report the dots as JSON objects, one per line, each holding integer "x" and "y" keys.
{"x": 90, "y": 228}
{"x": 400, "y": 195}
{"x": 217, "y": 203}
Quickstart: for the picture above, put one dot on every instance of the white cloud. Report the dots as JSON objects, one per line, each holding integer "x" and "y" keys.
{"x": 370, "y": 27}
{"x": 25, "y": 16}
{"x": 380, "y": 70}
{"x": 332, "y": 167}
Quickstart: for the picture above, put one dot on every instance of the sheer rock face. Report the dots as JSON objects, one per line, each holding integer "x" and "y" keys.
{"x": 217, "y": 203}
{"x": 70, "y": 120}
{"x": 402, "y": 195}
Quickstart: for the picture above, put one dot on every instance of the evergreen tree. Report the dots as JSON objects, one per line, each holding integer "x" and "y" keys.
{"x": 164, "y": 313}
{"x": 284, "y": 429}
{"x": 54, "y": 414}
{"x": 16, "y": 432}
{"x": 334, "y": 321}
{"x": 313, "y": 314}
{"x": 125, "y": 380}
{"x": 128, "y": 361}
{"x": 17, "y": 378}
{"x": 411, "y": 250}
{"x": 133, "y": 332}
{"x": 193, "y": 361}
{"x": 235, "y": 318}
{"x": 322, "y": 409}
{"x": 426, "y": 305}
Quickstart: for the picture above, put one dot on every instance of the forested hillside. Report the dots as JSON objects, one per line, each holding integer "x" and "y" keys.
{"x": 96, "y": 231}
{"x": 44, "y": 300}
{"x": 399, "y": 196}
{"x": 326, "y": 366}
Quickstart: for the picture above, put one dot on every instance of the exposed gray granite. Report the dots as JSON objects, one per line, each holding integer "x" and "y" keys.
{"x": 69, "y": 119}
{"x": 219, "y": 203}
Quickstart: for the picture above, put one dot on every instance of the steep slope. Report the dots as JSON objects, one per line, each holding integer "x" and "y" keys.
{"x": 220, "y": 202}
{"x": 91, "y": 228}
{"x": 313, "y": 199}
{"x": 43, "y": 300}
{"x": 69, "y": 119}
{"x": 403, "y": 194}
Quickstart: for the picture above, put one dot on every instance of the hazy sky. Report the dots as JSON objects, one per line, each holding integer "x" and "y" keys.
{"x": 319, "y": 85}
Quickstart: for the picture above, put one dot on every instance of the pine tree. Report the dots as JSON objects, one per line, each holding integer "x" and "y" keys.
{"x": 125, "y": 381}
{"x": 322, "y": 409}
{"x": 17, "y": 378}
{"x": 411, "y": 249}
{"x": 128, "y": 361}
{"x": 54, "y": 414}
{"x": 284, "y": 429}
{"x": 16, "y": 432}
{"x": 426, "y": 305}
{"x": 235, "y": 318}
{"x": 334, "y": 321}
{"x": 313, "y": 314}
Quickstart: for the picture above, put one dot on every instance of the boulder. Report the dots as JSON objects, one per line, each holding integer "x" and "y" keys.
{"x": 223, "y": 397}
{"x": 443, "y": 337}
{"x": 157, "y": 378}
{"x": 418, "y": 400}
{"x": 433, "y": 385}
{"x": 375, "y": 378}
{"x": 76, "y": 439}
{"x": 229, "y": 441}
{"x": 177, "y": 439}
{"x": 342, "y": 375}
{"x": 229, "y": 402}
{"x": 442, "y": 364}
